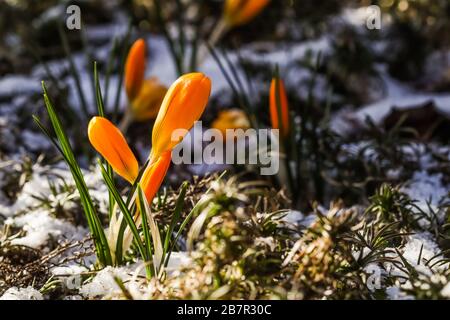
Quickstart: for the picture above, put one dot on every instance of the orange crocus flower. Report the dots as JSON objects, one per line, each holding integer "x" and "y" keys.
{"x": 111, "y": 144}
{"x": 239, "y": 12}
{"x": 147, "y": 103}
{"x": 135, "y": 69}
{"x": 183, "y": 104}
{"x": 279, "y": 108}
{"x": 154, "y": 174}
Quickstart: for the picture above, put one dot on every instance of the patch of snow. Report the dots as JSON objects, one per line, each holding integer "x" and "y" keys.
{"x": 103, "y": 284}
{"x": 28, "y": 293}
{"x": 266, "y": 241}
{"x": 422, "y": 241}
{"x": 380, "y": 109}
{"x": 177, "y": 261}
{"x": 428, "y": 191}
{"x": 68, "y": 270}
{"x": 361, "y": 254}
{"x": 16, "y": 84}
{"x": 40, "y": 226}
{"x": 445, "y": 292}
{"x": 36, "y": 220}
{"x": 397, "y": 95}
{"x": 35, "y": 141}
{"x": 103, "y": 32}
{"x": 268, "y": 54}
{"x": 38, "y": 184}
{"x": 297, "y": 218}
{"x": 356, "y": 16}
{"x": 395, "y": 293}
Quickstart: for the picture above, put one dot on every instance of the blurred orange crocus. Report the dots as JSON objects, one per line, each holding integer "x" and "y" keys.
{"x": 183, "y": 104}
{"x": 107, "y": 139}
{"x": 239, "y": 12}
{"x": 144, "y": 95}
{"x": 231, "y": 119}
{"x": 135, "y": 69}
{"x": 147, "y": 103}
{"x": 279, "y": 108}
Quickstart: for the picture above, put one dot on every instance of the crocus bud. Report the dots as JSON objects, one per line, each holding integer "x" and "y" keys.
{"x": 147, "y": 103}
{"x": 279, "y": 108}
{"x": 239, "y": 12}
{"x": 111, "y": 144}
{"x": 183, "y": 104}
{"x": 135, "y": 69}
{"x": 154, "y": 174}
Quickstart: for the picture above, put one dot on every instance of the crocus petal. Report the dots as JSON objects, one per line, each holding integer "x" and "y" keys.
{"x": 147, "y": 103}
{"x": 278, "y": 85}
{"x": 239, "y": 12}
{"x": 154, "y": 174}
{"x": 111, "y": 144}
{"x": 183, "y": 104}
{"x": 135, "y": 69}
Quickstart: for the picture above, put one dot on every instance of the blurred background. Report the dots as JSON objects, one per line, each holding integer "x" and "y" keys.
{"x": 344, "y": 78}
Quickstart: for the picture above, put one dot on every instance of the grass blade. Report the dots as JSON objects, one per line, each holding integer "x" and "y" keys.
{"x": 62, "y": 144}
{"x": 124, "y": 209}
{"x": 146, "y": 212}
{"x": 176, "y": 215}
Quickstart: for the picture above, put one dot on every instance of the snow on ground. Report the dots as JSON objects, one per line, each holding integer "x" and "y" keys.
{"x": 28, "y": 293}
{"x": 397, "y": 95}
{"x": 429, "y": 192}
{"x": 30, "y": 214}
{"x": 16, "y": 84}
{"x": 296, "y": 218}
{"x": 40, "y": 227}
{"x": 446, "y": 291}
{"x": 419, "y": 249}
{"x": 104, "y": 284}
{"x": 395, "y": 293}
{"x": 420, "y": 245}
{"x": 428, "y": 189}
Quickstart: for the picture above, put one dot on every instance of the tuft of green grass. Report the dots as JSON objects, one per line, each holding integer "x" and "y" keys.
{"x": 62, "y": 144}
